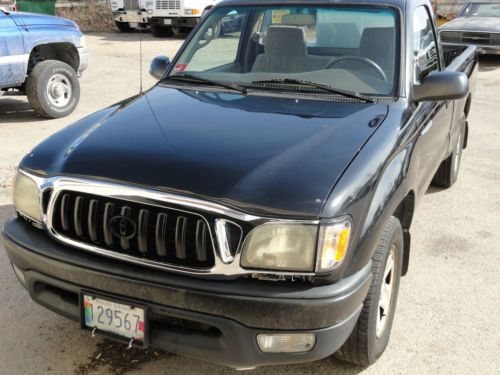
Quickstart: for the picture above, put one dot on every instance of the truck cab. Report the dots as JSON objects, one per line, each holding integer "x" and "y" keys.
{"x": 169, "y": 17}
{"x": 130, "y": 14}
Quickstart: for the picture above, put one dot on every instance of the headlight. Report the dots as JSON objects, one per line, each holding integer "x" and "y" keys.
{"x": 82, "y": 41}
{"x": 192, "y": 11}
{"x": 333, "y": 242}
{"x": 297, "y": 247}
{"x": 27, "y": 197}
{"x": 289, "y": 247}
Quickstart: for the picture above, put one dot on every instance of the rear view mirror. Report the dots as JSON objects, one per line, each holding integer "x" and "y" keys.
{"x": 442, "y": 86}
{"x": 159, "y": 66}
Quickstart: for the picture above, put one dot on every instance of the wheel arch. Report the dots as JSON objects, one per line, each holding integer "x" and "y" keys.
{"x": 61, "y": 51}
{"x": 466, "y": 112}
{"x": 468, "y": 105}
{"x": 404, "y": 213}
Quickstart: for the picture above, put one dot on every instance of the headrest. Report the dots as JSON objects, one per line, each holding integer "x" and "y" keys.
{"x": 298, "y": 20}
{"x": 376, "y": 37}
{"x": 286, "y": 41}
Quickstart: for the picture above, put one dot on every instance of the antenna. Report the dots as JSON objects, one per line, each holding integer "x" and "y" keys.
{"x": 140, "y": 50}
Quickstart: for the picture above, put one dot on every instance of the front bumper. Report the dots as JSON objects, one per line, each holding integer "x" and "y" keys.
{"x": 219, "y": 319}
{"x": 189, "y": 22}
{"x": 481, "y": 49}
{"x": 488, "y": 50}
{"x": 130, "y": 16}
{"x": 84, "y": 53}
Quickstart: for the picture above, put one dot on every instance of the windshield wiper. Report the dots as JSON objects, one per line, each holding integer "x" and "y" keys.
{"x": 333, "y": 90}
{"x": 192, "y": 77}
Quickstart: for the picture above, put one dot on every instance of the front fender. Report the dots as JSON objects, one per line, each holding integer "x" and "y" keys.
{"x": 39, "y": 35}
{"x": 375, "y": 184}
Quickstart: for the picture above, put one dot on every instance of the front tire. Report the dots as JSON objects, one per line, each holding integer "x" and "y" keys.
{"x": 53, "y": 89}
{"x": 370, "y": 336}
{"x": 124, "y": 27}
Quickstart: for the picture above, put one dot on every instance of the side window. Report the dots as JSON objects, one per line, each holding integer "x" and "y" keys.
{"x": 425, "y": 52}
{"x": 223, "y": 37}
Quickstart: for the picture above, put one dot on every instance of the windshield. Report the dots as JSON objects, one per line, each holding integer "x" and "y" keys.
{"x": 347, "y": 48}
{"x": 481, "y": 10}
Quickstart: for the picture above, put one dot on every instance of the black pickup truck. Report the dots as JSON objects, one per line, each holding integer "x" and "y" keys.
{"x": 254, "y": 207}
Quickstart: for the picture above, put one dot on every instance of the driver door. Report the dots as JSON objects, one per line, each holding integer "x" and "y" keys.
{"x": 13, "y": 60}
{"x": 433, "y": 117}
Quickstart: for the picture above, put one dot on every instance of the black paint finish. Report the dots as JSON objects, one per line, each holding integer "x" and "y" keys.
{"x": 272, "y": 156}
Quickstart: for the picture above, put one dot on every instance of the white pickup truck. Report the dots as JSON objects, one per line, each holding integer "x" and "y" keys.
{"x": 169, "y": 17}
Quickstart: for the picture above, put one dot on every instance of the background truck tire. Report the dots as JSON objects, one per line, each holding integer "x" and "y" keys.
{"x": 368, "y": 340}
{"x": 447, "y": 174}
{"x": 161, "y": 31}
{"x": 124, "y": 27}
{"x": 53, "y": 89}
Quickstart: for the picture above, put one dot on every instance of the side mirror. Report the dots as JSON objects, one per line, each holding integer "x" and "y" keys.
{"x": 159, "y": 66}
{"x": 442, "y": 86}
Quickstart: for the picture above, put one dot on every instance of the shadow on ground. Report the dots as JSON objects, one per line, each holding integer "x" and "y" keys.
{"x": 14, "y": 108}
{"x": 134, "y": 37}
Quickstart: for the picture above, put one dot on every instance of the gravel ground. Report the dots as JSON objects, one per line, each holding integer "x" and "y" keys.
{"x": 448, "y": 304}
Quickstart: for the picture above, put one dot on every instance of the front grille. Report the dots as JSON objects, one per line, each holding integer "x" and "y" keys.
{"x": 131, "y": 4}
{"x": 451, "y": 36}
{"x": 165, "y": 235}
{"x": 168, "y": 4}
{"x": 470, "y": 37}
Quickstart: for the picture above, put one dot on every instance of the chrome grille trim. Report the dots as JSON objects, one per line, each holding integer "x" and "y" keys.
{"x": 165, "y": 200}
{"x": 470, "y": 37}
{"x": 168, "y": 4}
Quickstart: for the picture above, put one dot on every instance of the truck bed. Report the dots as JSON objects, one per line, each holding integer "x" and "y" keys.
{"x": 458, "y": 58}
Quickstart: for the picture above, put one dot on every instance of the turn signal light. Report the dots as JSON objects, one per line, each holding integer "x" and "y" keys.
{"x": 333, "y": 244}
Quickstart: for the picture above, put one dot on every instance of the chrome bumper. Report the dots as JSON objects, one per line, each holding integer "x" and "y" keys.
{"x": 481, "y": 49}
{"x": 488, "y": 50}
{"x": 130, "y": 16}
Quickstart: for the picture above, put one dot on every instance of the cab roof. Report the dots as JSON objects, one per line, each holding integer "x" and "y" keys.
{"x": 398, "y": 3}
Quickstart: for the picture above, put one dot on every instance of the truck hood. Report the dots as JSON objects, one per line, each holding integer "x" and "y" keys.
{"x": 35, "y": 19}
{"x": 483, "y": 24}
{"x": 264, "y": 155}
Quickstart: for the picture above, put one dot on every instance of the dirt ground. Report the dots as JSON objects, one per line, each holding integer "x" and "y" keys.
{"x": 447, "y": 313}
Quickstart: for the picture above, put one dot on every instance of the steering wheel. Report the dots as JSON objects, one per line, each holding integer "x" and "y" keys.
{"x": 211, "y": 33}
{"x": 372, "y": 64}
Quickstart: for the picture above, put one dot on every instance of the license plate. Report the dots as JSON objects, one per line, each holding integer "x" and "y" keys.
{"x": 167, "y": 21}
{"x": 117, "y": 319}
{"x": 134, "y": 25}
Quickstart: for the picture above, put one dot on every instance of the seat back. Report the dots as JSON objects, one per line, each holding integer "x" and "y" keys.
{"x": 379, "y": 45}
{"x": 285, "y": 51}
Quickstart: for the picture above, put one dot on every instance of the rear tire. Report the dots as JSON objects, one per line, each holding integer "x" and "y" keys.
{"x": 53, "y": 89}
{"x": 370, "y": 336}
{"x": 447, "y": 174}
{"x": 124, "y": 27}
{"x": 161, "y": 31}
